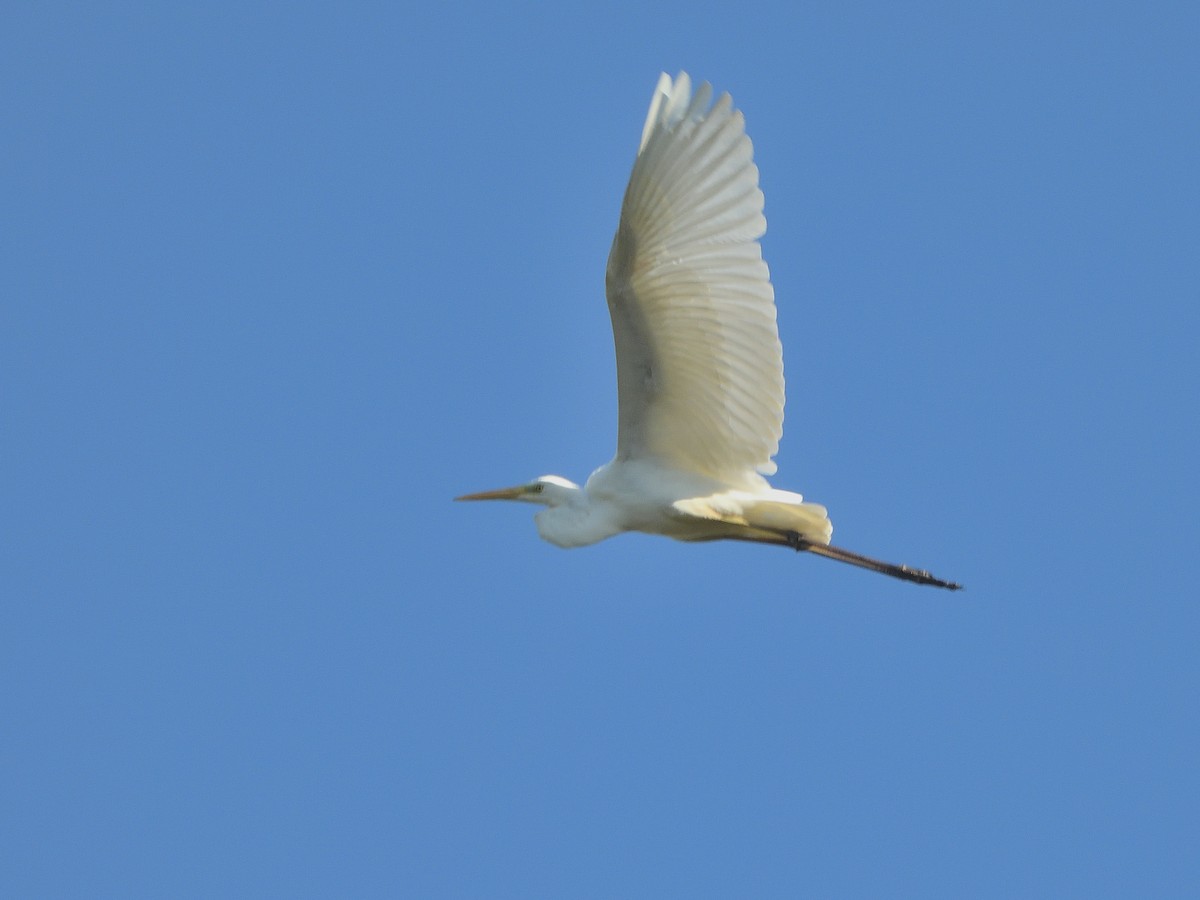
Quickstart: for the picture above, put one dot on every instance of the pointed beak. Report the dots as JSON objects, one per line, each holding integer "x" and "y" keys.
{"x": 511, "y": 493}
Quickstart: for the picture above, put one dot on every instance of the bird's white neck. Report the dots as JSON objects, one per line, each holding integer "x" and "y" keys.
{"x": 570, "y": 519}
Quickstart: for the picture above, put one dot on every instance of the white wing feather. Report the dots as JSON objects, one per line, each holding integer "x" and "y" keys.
{"x": 699, "y": 363}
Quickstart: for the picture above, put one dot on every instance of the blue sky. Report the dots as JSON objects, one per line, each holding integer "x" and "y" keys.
{"x": 278, "y": 281}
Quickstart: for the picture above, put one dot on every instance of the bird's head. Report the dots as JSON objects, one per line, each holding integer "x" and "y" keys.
{"x": 548, "y": 490}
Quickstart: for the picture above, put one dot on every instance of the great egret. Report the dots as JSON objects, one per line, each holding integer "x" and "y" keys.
{"x": 699, "y": 363}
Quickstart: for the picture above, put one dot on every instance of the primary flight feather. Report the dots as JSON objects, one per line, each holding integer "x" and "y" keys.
{"x": 699, "y": 363}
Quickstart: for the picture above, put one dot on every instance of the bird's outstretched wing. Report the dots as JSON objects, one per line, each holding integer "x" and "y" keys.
{"x": 699, "y": 364}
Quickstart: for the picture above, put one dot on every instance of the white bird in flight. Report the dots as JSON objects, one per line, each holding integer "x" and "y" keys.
{"x": 699, "y": 363}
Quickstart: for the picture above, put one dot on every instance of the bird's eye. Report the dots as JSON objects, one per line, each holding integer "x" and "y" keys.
{"x": 537, "y": 488}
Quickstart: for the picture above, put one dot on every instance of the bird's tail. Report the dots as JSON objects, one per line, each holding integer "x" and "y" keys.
{"x": 781, "y": 519}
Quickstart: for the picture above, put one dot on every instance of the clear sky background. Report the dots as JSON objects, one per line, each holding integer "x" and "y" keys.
{"x": 277, "y": 281}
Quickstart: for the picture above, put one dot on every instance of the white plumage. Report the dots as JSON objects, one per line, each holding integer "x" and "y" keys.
{"x": 699, "y": 363}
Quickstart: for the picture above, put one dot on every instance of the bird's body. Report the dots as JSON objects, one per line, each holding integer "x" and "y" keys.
{"x": 699, "y": 362}
{"x": 640, "y": 495}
